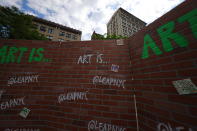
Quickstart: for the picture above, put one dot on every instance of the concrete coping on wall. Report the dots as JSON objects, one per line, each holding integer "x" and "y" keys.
{"x": 120, "y": 42}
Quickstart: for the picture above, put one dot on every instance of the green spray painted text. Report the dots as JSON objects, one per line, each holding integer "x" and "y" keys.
{"x": 16, "y": 54}
{"x": 167, "y": 35}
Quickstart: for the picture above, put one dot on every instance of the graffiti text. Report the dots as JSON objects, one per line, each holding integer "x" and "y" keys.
{"x": 23, "y": 79}
{"x": 94, "y": 125}
{"x": 12, "y": 103}
{"x": 168, "y": 127}
{"x": 72, "y": 96}
{"x": 109, "y": 81}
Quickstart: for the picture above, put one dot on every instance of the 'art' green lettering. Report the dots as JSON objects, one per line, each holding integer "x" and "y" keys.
{"x": 3, "y": 52}
{"x": 37, "y": 52}
{"x": 166, "y": 34}
{"x": 149, "y": 43}
{"x": 191, "y": 17}
{"x": 22, "y": 50}
{"x": 11, "y": 57}
{"x": 15, "y": 54}
{"x": 40, "y": 55}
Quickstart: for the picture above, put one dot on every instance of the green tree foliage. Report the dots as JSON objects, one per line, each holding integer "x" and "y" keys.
{"x": 111, "y": 37}
{"x": 107, "y": 37}
{"x": 16, "y": 25}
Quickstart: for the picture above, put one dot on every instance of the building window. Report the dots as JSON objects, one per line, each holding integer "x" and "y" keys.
{"x": 61, "y": 33}
{"x": 74, "y": 37}
{"x": 68, "y": 35}
{"x": 60, "y": 40}
{"x": 49, "y": 37}
{"x": 42, "y": 28}
{"x": 50, "y": 31}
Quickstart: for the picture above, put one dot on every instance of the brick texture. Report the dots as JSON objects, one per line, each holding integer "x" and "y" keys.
{"x": 95, "y": 85}
{"x": 159, "y": 104}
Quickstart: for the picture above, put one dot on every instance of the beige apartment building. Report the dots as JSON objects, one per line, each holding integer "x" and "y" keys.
{"x": 123, "y": 23}
{"x": 56, "y": 32}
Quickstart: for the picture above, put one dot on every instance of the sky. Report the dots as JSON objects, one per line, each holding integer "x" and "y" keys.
{"x": 91, "y": 15}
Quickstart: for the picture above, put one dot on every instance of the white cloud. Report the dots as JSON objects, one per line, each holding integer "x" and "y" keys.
{"x": 90, "y": 15}
{"x": 151, "y": 10}
{"x": 30, "y": 13}
{"x": 16, "y": 3}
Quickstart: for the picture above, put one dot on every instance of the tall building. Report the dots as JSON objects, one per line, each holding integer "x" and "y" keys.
{"x": 56, "y": 32}
{"x": 123, "y": 23}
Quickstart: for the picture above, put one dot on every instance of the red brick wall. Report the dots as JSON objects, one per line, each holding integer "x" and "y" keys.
{"x": 62, "y": 72}
{"x": 72, "y": 85}
{"x": 159, "y": 104}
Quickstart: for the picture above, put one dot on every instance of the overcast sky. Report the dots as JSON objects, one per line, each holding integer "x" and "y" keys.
{"x": 90, "y": 15}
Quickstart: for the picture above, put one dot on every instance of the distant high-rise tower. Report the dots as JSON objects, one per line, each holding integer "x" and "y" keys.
{"x": 123, "y": 23}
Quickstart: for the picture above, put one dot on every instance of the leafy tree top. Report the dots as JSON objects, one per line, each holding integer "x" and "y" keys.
{"x": 14, "y": 24}
{"x": 96, "y": 36}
